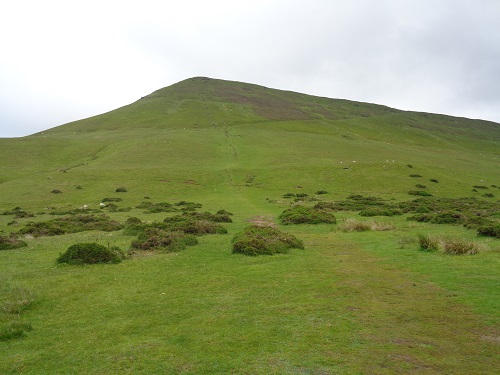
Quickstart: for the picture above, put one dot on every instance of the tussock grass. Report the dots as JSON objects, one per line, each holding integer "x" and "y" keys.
{"x": 450, "y": 245}
{"x": 353, "y": 225}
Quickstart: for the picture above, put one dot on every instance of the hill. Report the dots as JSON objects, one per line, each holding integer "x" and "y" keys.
{"x": 373, "y": 201}
{"x": 219, "y": 133}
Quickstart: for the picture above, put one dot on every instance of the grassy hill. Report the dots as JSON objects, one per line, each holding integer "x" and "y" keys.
{"x": 349, "y": 303}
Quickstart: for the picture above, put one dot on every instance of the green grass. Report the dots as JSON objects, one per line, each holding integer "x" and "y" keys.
{"x": 349, "y": 303}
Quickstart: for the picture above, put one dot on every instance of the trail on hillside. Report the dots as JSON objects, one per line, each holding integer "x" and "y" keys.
{"x": 410, "y": 324}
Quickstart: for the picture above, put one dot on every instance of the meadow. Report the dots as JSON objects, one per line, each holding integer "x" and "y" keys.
{"x": 349, "y": 302}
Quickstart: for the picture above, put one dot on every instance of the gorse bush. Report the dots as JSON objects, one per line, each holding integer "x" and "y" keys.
{"x": 163, "y": 241}
{"x": 264, "y": 240}
{"x": 307, "y": 215}
{"x": 422, "y": 193}
{"x": 218, "y": 218}
{"x": 121, "y": 190}
{"x": 380, "y": 211}
{"x": 11, "y": 242}
{"x": 71, "y": 224}
{"x": 491, "y": 230}
{"x": 90, "y": 253}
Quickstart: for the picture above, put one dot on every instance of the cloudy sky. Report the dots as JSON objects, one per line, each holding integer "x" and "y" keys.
{"x": 61, "y": 61}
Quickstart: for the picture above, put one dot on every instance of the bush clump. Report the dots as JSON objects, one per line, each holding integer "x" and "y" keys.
{"x": 121, "y": 190}
{"x": 380, "y": 211}
{"x": 307, "y": 215}
{"x": 191, "y": 225}
{"x": 90, "y": 253}
{"x": 422, "y": 193}
{"x": 151, "y": 207}
{"x": 264, "y": 240}
{"x": 11, "y": 242}
{"x": 218, "y": 217}
{"x": 491, "y": 230}
{"x": 163, "y": 241}
{"x": 71, "y": 224}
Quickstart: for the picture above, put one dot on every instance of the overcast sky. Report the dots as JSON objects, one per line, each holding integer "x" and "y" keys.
{"x": 61, "y": 61}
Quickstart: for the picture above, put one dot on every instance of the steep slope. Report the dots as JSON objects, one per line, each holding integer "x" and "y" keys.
{"x": 248, "y": 140}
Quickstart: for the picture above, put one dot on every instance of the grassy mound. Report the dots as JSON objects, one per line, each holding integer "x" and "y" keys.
{"x": 307, "y": 215}
{"x": 71, "y": 224}
{"x": 90, "y": 253}
{"x": 258, "y": 240}
{"x": 10, "y": 242}
{"x": 164, "y": 241}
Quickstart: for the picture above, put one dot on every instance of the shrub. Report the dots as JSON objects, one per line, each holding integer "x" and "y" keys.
{"x": 491, "y": 230}
{"x": 428, "y": 243}
{"x": 90, "y": 253}
{"x": 306, "y": 215}
{"x": 480, "y": 187}
{"x": 190, "y": 225}
{"x": 121, "y": 190}
{"x": 218, "y": 218}
{"x": 420, "y": 186}
{"x": 288, "y": 195}
{"x": 164, "y": 241}
{"x": 447, "y": 217}
{"x": 112, "y": 200}
{"x": 319, "y": 192}
{"x": 56, "y": 191}
{"x": 434, "y": 180}
{"x": 415, "y": 175}
{"x": 488, "y": 195}
{"x": 224, "y": 212}
{"x": 10, "y": 242}
{"x": 409, "y": 165}
{"x": 420, "y": 192}
{"x": 380, "y": 211}
{"x": 264, "y": 240}
{"x": 71, "y": 224}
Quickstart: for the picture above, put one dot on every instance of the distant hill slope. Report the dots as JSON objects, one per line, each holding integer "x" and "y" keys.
{"x": 208, "y": 137}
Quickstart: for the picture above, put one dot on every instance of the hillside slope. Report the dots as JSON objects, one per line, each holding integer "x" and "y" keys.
{"x": 248, "y": 139}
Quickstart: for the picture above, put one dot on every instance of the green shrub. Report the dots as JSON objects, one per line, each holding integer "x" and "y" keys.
{"x": 488, "y": 195}
{"x": 420, "y": 186}
{"x": 121, "y": 190}
{"x": 11, "y": 242}
{"x": 480, "y": 187}
{"x": 420, "y": 192}
{"x": 491, "y": 230}
{"x": 319, "y": 192}
{"x": 112, "y": 200}
{"x": 264, "y": 240}
{"x": 415, "y": 175}
{"x": 151, "y": 207}
{"x": 164, "y": 241}
{"x": 56, "y": 191}
{"x": 90, "y": 253}
{"x": 289, "y": 195}
{"x": 306, "y": 215}
{"x": 71, "y": 224}
{"x": 447, "y": 217}
{"x": 380, "y": 211}
{"x": 218, "y": 218}
{"x": 434, "y": 180}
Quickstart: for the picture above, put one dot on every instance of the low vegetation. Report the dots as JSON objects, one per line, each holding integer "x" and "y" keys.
{"x": 11, "y": 242}
{"x": 90, "y": 253}
{"x": 70, "y": 224}
{"x": 163, "y": 241}
{"x": 449, "y": 245}
{"x": 264, "y": 240}
{"x": 307, "y": 215}
{"x": 14, "y": 300}
{"x": 353, "y": 225}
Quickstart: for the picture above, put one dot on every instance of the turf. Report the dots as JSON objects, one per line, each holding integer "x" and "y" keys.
{"x": 350, "y": 302}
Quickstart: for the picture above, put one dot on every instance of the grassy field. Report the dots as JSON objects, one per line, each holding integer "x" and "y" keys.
{"x": 349, "y": 303}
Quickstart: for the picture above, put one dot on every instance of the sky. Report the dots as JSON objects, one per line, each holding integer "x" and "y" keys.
{"x": 62, "y": 61}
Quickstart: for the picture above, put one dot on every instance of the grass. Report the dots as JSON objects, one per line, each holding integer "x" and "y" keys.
{"x": 350, "y": 303}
